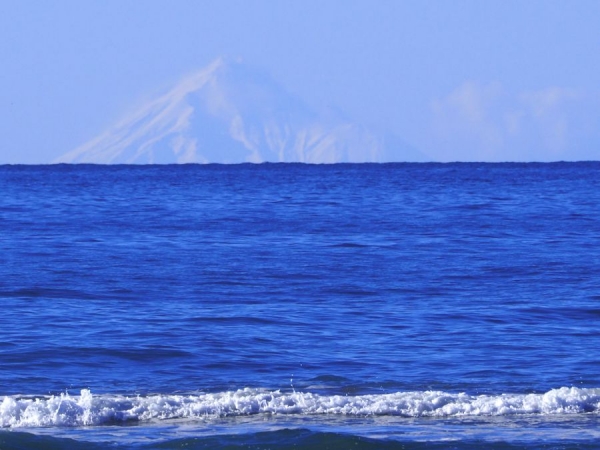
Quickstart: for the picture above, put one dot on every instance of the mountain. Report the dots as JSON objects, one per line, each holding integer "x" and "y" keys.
{"x": 231, "y": 113}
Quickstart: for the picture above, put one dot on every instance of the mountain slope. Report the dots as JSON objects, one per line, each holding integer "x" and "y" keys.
{"x": 230, "y": 113}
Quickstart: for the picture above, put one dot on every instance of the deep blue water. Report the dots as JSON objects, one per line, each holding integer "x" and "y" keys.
{"x": 289, "y": 305}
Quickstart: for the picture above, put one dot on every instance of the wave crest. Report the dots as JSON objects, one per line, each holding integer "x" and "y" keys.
{"x": 87, "y": 409}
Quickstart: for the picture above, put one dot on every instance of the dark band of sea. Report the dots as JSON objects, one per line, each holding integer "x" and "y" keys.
{"x": 300, "y": 306}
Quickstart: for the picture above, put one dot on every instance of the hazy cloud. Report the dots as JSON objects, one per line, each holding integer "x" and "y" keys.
{"x": 485, "y": 122}
{"x": 549, "y": 110}
{"x": 465, "y": 120}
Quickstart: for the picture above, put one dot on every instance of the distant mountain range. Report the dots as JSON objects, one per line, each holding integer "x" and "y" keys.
{"x": 229, "y": 112}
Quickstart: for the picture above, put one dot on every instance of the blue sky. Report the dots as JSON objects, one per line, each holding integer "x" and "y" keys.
{"x": 462, "y": 80}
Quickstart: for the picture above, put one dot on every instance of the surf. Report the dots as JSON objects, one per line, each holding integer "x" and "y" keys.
{"x": 87, "y": 409}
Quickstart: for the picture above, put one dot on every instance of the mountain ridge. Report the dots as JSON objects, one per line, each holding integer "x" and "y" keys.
{"x": 229, "y": 112}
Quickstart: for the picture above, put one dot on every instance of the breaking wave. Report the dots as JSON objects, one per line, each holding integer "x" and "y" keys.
{"x": 87, "y": 409}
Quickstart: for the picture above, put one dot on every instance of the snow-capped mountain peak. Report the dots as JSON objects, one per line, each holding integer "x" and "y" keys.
{"x": 229, "y": 112}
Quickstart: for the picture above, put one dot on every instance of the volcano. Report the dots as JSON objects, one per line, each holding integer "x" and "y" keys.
{"x": 230, "y": 112}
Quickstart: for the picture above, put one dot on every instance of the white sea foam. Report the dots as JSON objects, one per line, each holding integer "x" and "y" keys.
{"x": 87, "y": 409}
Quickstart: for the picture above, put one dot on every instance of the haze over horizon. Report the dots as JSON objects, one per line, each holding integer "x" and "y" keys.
{"x": 454, "y": 81}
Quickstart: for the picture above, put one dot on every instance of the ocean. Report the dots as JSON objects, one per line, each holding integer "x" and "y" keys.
{"x": 276, "y": 306}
